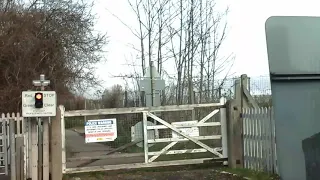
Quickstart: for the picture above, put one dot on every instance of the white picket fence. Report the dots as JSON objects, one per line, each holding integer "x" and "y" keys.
{"x": 13, "y": 134}
{"x": 259, "y": 140}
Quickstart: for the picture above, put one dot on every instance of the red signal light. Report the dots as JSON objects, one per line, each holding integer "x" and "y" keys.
{"x": 39, "y": 96}
{"x": 38, "y": 100}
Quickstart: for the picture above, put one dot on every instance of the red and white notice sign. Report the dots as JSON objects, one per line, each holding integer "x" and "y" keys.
{"x": 102, "y": 130}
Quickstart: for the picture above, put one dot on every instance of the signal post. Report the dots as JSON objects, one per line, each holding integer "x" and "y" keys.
{"x": 40, "y": 105}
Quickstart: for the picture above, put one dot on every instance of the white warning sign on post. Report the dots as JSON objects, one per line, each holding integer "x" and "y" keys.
{"x": 101, "y": 130}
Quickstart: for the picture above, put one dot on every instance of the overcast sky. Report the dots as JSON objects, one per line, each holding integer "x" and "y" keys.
{"x": 246, "y": 36}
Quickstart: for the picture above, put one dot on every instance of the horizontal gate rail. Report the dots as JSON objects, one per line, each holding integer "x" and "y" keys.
{"x": 184, "y": 126}
{"x": 135, "y": 166}
{"x": 184, "y": 139}
{"x": 139, "y": 109}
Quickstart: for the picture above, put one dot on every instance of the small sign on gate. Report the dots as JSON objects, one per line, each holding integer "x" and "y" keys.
{"x": 101, "y": 130}
{"x": 190, "y": 131}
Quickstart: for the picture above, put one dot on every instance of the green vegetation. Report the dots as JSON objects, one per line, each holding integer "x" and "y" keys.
{"x": 77, "y": 122}
{"x": 252, "y": 175}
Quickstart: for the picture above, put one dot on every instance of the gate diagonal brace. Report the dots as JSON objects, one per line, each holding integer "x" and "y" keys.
{"x": 162, "y": 151}
{"x": 208, "y": 116}
{"x": 185, "y": 135}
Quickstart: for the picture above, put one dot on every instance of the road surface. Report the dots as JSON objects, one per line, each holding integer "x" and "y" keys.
{"x": 76, "y": 147}
{"x": 4, "y": 177}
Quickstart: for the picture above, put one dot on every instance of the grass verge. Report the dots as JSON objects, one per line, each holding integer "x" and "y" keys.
{"x": 252, "y": 175}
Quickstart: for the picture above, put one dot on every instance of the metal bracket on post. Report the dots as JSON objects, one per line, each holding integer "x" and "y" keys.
{"x": 42, "y": 82}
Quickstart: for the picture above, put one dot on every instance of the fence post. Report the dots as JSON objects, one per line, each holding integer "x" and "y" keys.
{"x": 242, "y": 84}
{"x": 25, "y": 146}
{"x": 40, "y": 145}
{"x": 223, "y": 119}
{"x": 34, "y": 149}
{"x": 45, "y": 146}
{"x": 56, "y": 147}
{"x": 29, "y": 143}
{"x": 19, "y": 158}
{"x": 63, "y": 140}
{"x": 145, "y": 137}
{"x": 4, "y": 142}
{"x": 12, "y": 147}
{"x": 235, "y": 136}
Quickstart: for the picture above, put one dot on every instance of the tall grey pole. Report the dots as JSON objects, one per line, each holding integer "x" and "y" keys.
{"x": 40, "y": 136}
{"x": 44, "y": 156}
{"x": 85, "y": 108}
{"x": 45, "y": 123}
{"x": 152, "y": 83}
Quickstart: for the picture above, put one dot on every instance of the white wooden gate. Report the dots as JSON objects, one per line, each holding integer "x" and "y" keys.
{"x": 215, "y": 148}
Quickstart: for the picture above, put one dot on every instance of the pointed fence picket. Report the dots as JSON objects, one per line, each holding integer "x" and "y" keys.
{"x": 259, "y": 139}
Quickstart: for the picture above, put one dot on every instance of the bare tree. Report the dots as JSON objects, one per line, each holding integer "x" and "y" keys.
{"x": 204, "y": 31}
{"x": 187, "y": 34}
{"x": 56, "y": 40}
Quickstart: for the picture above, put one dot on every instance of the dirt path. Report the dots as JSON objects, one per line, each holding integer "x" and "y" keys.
{"x": 4, "y": 177}
{"x": 76, "y": 143}
{"x": 77, "y": 148}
